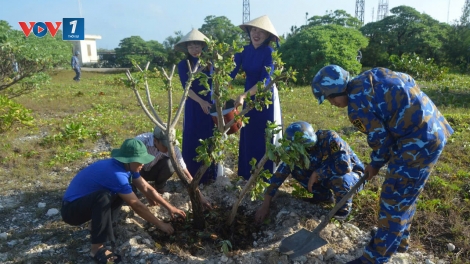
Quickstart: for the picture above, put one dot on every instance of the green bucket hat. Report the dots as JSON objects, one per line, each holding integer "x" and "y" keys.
{"x": 132, "y": 150}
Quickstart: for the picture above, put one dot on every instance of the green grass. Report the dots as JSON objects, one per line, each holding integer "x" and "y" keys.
{"x": 70, "y": 118}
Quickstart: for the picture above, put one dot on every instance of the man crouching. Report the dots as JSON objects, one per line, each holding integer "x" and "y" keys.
{"x": 97, "y": 192}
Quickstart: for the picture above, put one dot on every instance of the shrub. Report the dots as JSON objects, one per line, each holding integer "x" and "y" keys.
{"x": 12, "y": 113}
{"x": 422, "y": 69}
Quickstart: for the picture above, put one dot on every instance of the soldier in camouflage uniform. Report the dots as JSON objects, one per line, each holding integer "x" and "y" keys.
{"x": 404, "y": 129}
{"x": 333, "y": 166}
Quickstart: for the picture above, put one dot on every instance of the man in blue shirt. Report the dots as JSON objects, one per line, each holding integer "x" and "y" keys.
{"x": 97, "y": 192}
{"x": 333, "y": 167}
{"x": 76, "y": 66}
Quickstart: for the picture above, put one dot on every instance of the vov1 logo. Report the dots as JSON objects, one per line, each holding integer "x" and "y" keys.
{"x": 39, "y": 29}
{"x": 73, "y": 28}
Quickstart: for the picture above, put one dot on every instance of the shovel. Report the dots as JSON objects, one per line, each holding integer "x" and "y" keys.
{"x": 305, "y": 241}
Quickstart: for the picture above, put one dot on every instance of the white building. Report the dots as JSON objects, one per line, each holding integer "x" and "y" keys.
{"x": 87, "y": 48}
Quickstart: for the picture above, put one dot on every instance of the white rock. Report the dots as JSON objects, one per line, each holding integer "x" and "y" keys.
{"x": 224, "y": 258}
{"x": 428, "y": 261}
{"x": 281, "y": 213}
{"x": 41, "y": 205}
{"x": 330, "y": 253}
{"x": 3, "y": 236}
{"x": 450, "y": 247}
{"x": 228, "y": 171}
{"x": 223, "y": 181}
{"x": 399, "y": 258}
{"x": 126, "y": 208}
{"x": 133, "y": 241}
{"x": 52, "y": 212}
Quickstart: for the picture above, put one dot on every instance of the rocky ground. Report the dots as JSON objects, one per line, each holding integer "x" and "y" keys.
{"x": 31, "y": 231}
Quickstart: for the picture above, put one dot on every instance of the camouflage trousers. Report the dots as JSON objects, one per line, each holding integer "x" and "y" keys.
{"x": 340, "y": 185}
{"x": 407, "y": 173}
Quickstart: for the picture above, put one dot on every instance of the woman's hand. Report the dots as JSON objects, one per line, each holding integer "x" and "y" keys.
{"x": 239, "y": 100}
{"x": 206, "y": 106}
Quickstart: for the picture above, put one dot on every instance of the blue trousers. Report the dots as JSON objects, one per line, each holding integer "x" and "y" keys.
{"x": 407, "y": 173}
{"x": 77, "y": 75}
{"x": 340, "y": 185}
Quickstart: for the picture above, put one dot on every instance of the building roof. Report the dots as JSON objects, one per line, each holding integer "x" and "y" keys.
{"x": 91, "y": 37}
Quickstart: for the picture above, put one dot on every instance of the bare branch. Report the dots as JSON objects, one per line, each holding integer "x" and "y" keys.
{"x": 185, "y": 93}
{"x": 164, "y": 73}
{"x": 139, "y": 99}
{"x": 149, "y": 101}
{"x": 172, "y": 72}
{"x": 170, "y": 99}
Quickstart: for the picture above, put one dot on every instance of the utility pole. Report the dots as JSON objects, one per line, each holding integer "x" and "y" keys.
{"x": 246, "y": 11}
{"x": 373, "y": 13}
{"x": 448, "y": 8}
{"x": 80, "y": 8}
{"x": 464, "y": 19}
{"x": 360, "y": 10}
{"x": 382, "y": 11}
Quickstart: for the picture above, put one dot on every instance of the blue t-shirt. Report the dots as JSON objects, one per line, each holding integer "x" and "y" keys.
{"x": 108, "y": 174}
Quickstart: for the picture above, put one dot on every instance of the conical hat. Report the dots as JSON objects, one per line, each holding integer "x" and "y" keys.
{"x": 262, "y": 22}
{"x": 193, "y": 35}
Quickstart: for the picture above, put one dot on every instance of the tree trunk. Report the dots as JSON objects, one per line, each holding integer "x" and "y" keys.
{"x": 248, "y": 187}
{"x": 195, "y": 196}
{"x": 198, "y": 211}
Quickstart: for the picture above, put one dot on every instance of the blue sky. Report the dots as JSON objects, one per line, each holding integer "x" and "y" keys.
{"x": 158, "y": 19}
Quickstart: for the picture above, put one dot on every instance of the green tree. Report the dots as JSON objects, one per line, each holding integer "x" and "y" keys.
{"x": 337, "y": 17}
{"x": 173, "y": 56}
{"x": 26, "y": 62}
{"x": 158, "y": 52}
{"x": 464, "y": 19}
{"x": 136, "y": 49}
{"x": 221, "y": 29}
{"x": 457, "y": 47}
{"x": 317, "y": 46}
{"x": 405, "y": 31}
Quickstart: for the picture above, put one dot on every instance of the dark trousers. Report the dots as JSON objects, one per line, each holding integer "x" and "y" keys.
{"x": 159, "y": 173}
{"x": 77, "y": 74}
{"x": 100, "y": 207}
